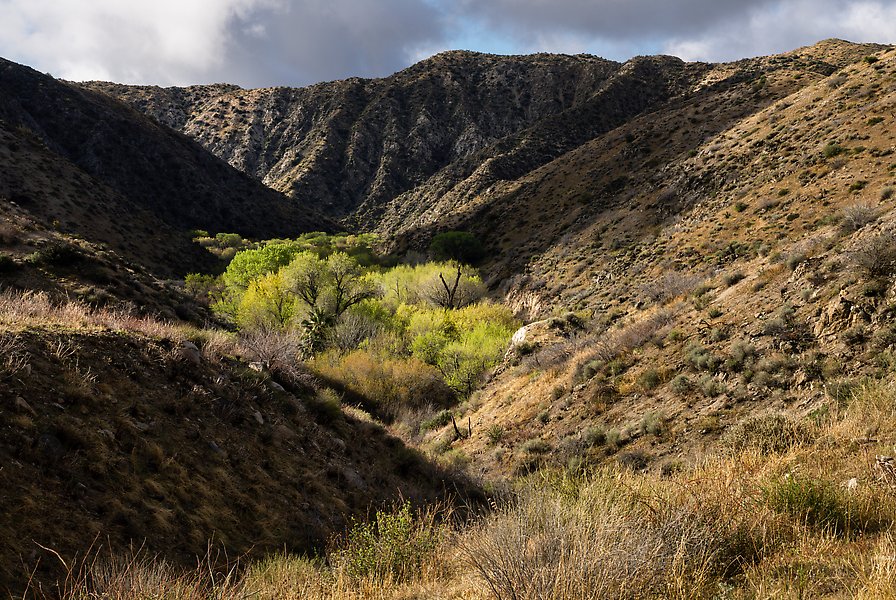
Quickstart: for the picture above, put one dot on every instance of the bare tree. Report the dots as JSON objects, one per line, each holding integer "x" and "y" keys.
{"x": 459, "y": 289}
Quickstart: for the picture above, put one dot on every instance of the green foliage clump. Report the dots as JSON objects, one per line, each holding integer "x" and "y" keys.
{"x": 701, "y": 358}
{"x": 494, "y": 433}
{"x": 381, "y": 326}
{"x": 391, "y": 547}
{"x": 437, "y": 421}
{"x": 832, "y": 150}
{"x": 385, "y": 385}
{"x": 681, "y": 384}
{"x": 249, "y": 265}
{"x": 816, "y": 503}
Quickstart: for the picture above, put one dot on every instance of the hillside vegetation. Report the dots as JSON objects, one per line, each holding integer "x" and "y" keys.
{"x": 646, "y": 309}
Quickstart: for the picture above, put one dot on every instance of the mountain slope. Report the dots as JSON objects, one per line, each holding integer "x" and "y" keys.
{"x": 350, "y": 146}
{"x": 738, "y": 271}
{"x": 117, "y": 431}
{"x": 105, "y": 171}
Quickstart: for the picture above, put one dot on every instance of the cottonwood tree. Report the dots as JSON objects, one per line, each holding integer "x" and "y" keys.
{"x": 327, "y": 288}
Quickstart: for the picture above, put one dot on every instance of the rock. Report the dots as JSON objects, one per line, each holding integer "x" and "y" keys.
{"x": 276, "y": 386}
{"x": 258, "y": 418}
{"x": 189, "y": 352}
{"x": 50, "y": 447}
{"x": 24, "y": 406}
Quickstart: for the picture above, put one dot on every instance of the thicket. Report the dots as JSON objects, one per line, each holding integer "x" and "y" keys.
{"x": 398, "y": 337}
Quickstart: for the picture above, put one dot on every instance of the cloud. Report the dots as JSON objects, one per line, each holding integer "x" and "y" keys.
{"x": 789, "y": 25}
{"x": 298, "y": 42}
{"x": 693, "y": 29}
{"x": 609, "y": 19}
{"x": 316, "y": 40}
{"x": 250, "y": 42}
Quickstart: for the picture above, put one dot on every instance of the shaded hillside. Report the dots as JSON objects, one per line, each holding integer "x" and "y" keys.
{"x": 83, "y": 162}
{"x": 483, "y": 142}
{"x": 349, "y": 147}
{"x": 118, "y": 430}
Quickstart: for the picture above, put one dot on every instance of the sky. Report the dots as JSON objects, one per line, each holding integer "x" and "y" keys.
{"x": 260, "y": 43}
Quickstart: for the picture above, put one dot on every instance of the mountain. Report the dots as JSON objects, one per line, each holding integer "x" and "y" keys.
{"x": 81, "y": 162}
{"x": 461, "y": 139}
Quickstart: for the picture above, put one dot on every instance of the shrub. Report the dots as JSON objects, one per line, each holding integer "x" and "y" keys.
{"x": 649, "y": 379}
{"x": 816, "y": 503}
{"x": 56, "y": 254}
{"x": 841, "y": 390}
{"x": 437, "y": 421}
{"x": 652, "y": 423}
{"x": 536, "y": 446}
{"x": 856, "y": 216}
{"x": 636, "y": 460}
{"x": 494, "y": 433}
{"x": 876, "y": 256}
{"x": 832, "y": 150}
{"x": 858, "y": 186}
{"x": 326, "y": 404}
{"x": 681, "y": 384}
{"x": 887, "y": 192}
{"x": 711, "y": 387}
{"x": 740, "y": 353}
{"x": 386, "y": 386}
{"x": 392, "y": 546}
{"x": 700, "y": 358}
{"x": 730, "y": 279}
{"x": 769, "y": 433}
{"x": 595, "y": 436}
{"x": 589, "y": 539}
{"x": 229, "y": 240}
{"x": 252, "y": 264}
{"x": 669, "y": 285}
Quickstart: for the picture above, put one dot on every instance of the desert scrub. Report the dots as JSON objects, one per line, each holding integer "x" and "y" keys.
{"x": 856, "y": 216}
{"x": 823, "y": 505}
{"x": 437, "y": 421}
{"x": 494, "y": 433}
{"x": 536, "y": 446}
{"x": 392, "y": 546}
{"x": 681, "y": 384}
{"x": 769, "y": 433}
{"x": 607, "y": 535}
{"x": 700, "y": 358}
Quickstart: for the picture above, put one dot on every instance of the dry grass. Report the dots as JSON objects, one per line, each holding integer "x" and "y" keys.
{"x": 21, "y": 310}
{"x": 745, "y": 525}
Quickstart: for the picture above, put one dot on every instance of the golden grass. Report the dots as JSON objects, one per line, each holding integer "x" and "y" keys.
{"x": 23, "y": 310}
{"x": 716, "y": 530}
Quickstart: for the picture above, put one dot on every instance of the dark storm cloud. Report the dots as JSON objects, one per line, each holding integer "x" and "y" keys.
{"x": 613, "y": 19}
{"x": 306, "y": 42}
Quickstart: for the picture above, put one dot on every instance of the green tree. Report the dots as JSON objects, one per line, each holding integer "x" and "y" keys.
{"x": 267, "y": 304}
{"x": 252, "y": 264}
{"x": 326, "y": 288}
{"x": 461, "y": 246}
